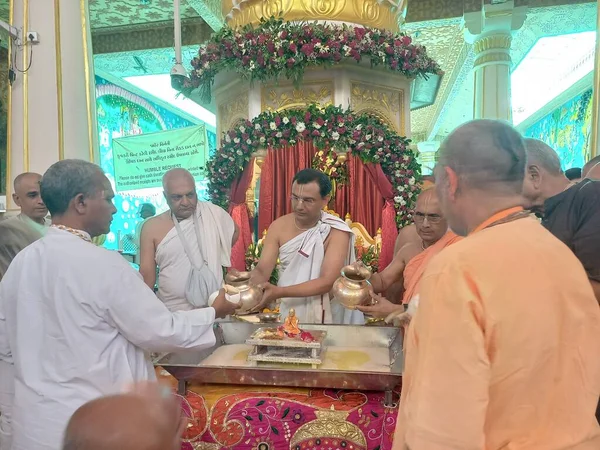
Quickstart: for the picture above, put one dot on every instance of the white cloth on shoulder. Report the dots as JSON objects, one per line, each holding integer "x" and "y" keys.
{"x": 301, "y": 260}
{"x": 216, "y": 229}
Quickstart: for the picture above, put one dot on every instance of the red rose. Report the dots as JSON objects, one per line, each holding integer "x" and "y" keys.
{"x": 293, "y": 48}
{"x": 406, "y": 40}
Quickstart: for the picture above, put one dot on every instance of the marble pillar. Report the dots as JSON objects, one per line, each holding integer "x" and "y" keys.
{"x": 52, "y": 112}
{"x": 490, "y": 31}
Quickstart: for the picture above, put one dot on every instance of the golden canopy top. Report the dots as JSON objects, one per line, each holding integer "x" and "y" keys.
{"x": 384, "y": 14}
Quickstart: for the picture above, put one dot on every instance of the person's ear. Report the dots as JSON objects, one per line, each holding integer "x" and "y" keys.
{"x": 80, "y": 203}
{"x": 535, "y": 176}
{"x": 451, "y": 183}
{"x": 17, "y": 200}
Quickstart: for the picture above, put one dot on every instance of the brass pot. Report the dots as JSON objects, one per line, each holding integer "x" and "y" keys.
{"x": 250, "y": 295}
{"x": 353, "y": 288}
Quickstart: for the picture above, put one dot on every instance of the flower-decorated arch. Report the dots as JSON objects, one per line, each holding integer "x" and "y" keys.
{"x": 330, "y": 128}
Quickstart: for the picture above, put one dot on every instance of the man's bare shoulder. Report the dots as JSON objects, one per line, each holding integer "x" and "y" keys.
{"x": 157, "y": 225}
{"x": 282, "y": 223}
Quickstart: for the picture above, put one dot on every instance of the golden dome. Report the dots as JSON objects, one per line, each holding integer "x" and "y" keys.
{"x": 385, "y": 14}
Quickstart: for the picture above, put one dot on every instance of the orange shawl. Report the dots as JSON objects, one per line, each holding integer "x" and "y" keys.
{"x": 416, "y": 267}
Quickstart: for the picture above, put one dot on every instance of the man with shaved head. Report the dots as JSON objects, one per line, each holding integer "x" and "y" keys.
{"x": 190, "y": 243}
{"x": 410, "y": 261}
{"x": 150, "y": 418}
{"x": 571, "y": 212}
{"x": 27, "y": 196}
{"x": 503, "y": 352}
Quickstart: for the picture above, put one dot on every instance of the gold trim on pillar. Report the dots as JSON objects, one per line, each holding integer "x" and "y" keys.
{"x": 25, "y": 90}
{"x": 595, "y": 103}
{"x": 86, "y": 67}
{"x": 11, "y": 11}
{"x": 59, "y": 97}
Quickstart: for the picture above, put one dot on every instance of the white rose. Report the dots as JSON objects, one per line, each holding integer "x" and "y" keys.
{"x": 248, "y": 141}
{"x": 236, "y": 140}
{"x": 239, "y": 152}
{"x": 262, "y": 139}
{"x": 278, "y": 134}
{"x": 300, "y": 127}
{"x": 400, "y": 188}
{"x": 285, "y": 120}
{"x": 398, "y": 173}
{"x": 368, "y": 137}
{"x": 359, "y": 127}
{"x": 257, "y": 126}
{"x": 335, "y": 135}
{"x": 397, "y": 199}
{"x": 316, "y": 125}
{"x": 227, "y": 138}
{"x": 380, "y": 138}
{"x": 402, "y": 202}
{"x": 405, "y": 157}
{"x": 272, "y": 126}
{"x": 242, "y": 129}
{"x": 411, "y": 181}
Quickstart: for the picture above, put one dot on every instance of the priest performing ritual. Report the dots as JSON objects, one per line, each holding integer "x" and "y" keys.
{"x": 77, "y": 320}
{"x": 312, "y": 246}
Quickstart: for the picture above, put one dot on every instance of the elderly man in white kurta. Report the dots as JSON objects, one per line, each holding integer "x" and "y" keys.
{"x": 312, "y": 247}
{"x": 76, "y": 319}
{"x": 191, "y": 244}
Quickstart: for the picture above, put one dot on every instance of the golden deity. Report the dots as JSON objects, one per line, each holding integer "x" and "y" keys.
{"x": 290, "y": 326}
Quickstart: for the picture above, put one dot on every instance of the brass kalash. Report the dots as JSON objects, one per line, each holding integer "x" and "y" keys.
{"x": 299, "y": 355}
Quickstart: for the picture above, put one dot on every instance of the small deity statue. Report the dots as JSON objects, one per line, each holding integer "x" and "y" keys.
{"x": 290, "y": 326}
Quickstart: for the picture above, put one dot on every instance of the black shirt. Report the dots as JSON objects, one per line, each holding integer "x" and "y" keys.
{"x": 573, "y": 216}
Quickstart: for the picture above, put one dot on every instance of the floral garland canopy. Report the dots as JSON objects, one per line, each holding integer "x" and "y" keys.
{"x": 276, "y": 48}
{"x": 329, "y": 128}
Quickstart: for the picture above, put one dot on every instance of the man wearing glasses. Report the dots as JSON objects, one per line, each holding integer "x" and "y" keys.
{"x": 411, "y": 260}
{"x": 312, "y": 246}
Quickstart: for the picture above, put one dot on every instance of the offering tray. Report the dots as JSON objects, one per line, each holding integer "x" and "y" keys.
{"x": 355, "y": 357}
{"x": 318, "y": 336}
{"x": 285, "y": 350}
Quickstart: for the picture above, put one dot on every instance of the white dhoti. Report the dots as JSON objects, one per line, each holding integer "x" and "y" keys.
{"x": 216, "y": 229}
{"x": 301, "y": 259}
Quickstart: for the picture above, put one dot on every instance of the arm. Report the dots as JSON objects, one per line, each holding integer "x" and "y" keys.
{"x": 268, "y": 258}
{"x": 334, "y": 260}
{"x": 451, "y": 378}
{"x": 147, "y": 255}
{"x": 236, "y": 234}
{"x": 393, "y": 272}
{"x": 145, "y": 321}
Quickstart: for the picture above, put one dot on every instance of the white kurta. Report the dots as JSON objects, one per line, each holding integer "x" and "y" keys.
{"x": 301, "y": 260}
{"x": 76, "y": 319}
{"x": 216, "y": 231}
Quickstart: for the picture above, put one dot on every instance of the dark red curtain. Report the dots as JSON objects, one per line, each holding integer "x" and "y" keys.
{"x": 388, "y": 214}
{"x": 276, "y": 177}
{"x": 238, "y": 209}
{"x": 360, "y": 197}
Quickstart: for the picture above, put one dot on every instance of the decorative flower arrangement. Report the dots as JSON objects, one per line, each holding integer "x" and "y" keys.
{"x": 329, "y": 127}
{"x": 327, "y": 161}
{"x": 369, "y": 257}
{"x": 253, "y": 256}
{"x": 275, "y": 48}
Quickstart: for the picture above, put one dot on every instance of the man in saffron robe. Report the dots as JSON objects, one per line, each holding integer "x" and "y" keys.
{"x": 312, "y": 247}
{"x": 190, "y": 228}
{"x": 410, "y": 261}
{"x": 503, "y": 351}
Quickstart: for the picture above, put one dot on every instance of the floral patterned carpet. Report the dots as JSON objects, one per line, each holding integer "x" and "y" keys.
{"x": 268, "y": 418}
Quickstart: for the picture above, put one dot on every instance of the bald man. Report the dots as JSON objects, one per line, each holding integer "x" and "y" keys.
{"x": 503, "y": 352}
{"x": 410, "y": 261}
{"x": 190, "y": 243}
{"x": 148, "y": 419}
{"x": 571, "y": 212}
{"x": 591, "y": 169}
{"x": 27, "y": 196}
